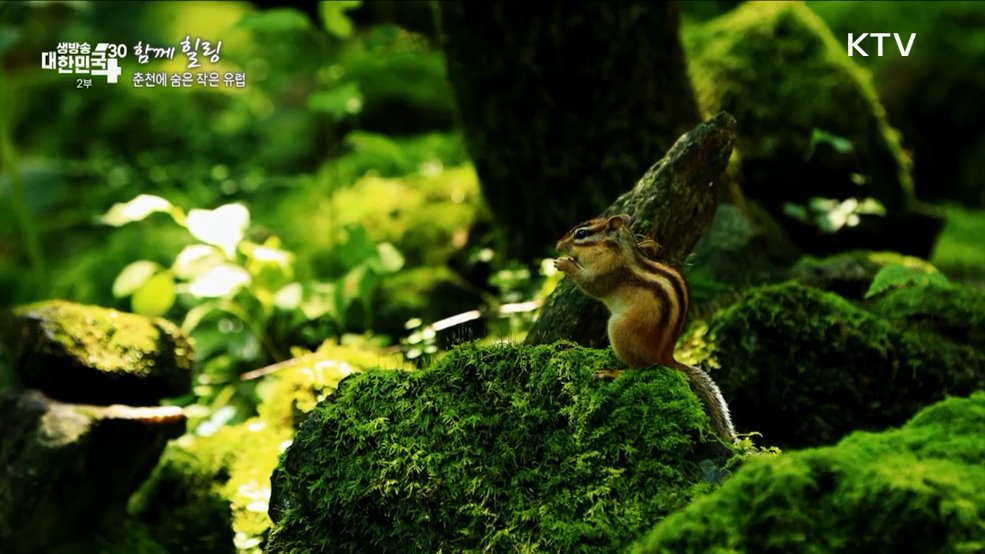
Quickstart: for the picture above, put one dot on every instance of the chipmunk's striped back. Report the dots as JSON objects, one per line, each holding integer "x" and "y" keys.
{"x": 668, "y": 283}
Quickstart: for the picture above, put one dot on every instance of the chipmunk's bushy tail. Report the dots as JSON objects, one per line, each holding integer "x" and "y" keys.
{"x": 708, "y": 392}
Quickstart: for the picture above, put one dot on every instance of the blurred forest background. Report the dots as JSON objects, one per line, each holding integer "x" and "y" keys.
{"x": 334, "y": 202}
{"x": 352, "y": 206}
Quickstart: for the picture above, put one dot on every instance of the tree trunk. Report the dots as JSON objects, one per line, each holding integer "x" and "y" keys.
{"x": 674, "y": 202}
{"x": 563, "y": 104}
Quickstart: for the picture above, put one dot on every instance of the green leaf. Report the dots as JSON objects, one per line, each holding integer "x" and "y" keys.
{"x": 221, "y": 281}
{"x": 796, "y": 211}
{"x": 196, "y": 259}
{"x": 334, "y": 18}
{"x": 841, "y": 145}
{"x": 135, "y": 210}
{"x": 339, "y": 102}
{"x": 223, "y": 227}
{"x": 155, "y": 297}
{"x": 278, "y": 20}
{"x": 321, "y": 299}
{"x": 871, "y": 206}
{"x": 357, "y": 248}
{"x": 391, "y": 260}
{"x": 377, "y": 145}
{"x": 133, "y": 277}
{"x": 895, "y": 275}
{"x": 195, "y": 316}
{"x": 289, "y": 297}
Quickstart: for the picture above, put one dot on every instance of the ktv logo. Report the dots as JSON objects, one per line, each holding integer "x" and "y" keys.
{"x": 855, "y": 43}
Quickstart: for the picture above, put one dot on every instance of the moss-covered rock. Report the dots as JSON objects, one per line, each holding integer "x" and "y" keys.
{"x": 499, "y": 448}
{"x": 805, "y": 367}
{"x": 742, "y": 246}
{"x": 94, "y": 355}
{"x": 210, "y": 492}
{"x": 67, "y": 470}
{"x": 951, "y": 312}
{"x": 850, "y": 274}
{"x": 960, "y": 250}
{"x": 914, "y": 489}
{"x": 811, "y": 127}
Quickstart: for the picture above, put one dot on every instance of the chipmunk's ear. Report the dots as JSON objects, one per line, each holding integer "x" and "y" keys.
{"x": 618, "y": 221}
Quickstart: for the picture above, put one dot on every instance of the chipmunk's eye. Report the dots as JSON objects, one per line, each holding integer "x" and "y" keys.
{"x": 581, "y": 233}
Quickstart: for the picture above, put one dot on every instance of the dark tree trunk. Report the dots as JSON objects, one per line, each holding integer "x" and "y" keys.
{"x": 564, "y": 104}
{"x": 674, "y": 202}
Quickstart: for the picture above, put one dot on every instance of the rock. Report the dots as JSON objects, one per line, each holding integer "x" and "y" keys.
{"x": 914, "y": 489}
{"x": 951, "y": 312}
{"x": 813, "y": 140}
{"x": 182, "y": 504}
{"x": 500, "y": 448}
{"x": 805, "y": 367}
{"x": 210, "y": 491}
{"x": 94, "y": 355}
{"x": 850, "y": 274}
{"x": 67, "y": 470}
{"x": 741, "y": 247}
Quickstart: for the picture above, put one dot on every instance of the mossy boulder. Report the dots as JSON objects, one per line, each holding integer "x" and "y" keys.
{"x": 811, "y": 128}
{"x": 742, "y": 246}
{"x": 206, "y": 486}
{"x": 501, "y": 448}
{"x": 805, "y": 367}
{"x": 947, "y": 311}
{"x": 93, "y": 355}
{"x": 850, "y": 274}
{"x": 913, "y": 489}
{"x": 67, "y": 470}
{"x": 210, "y": 491}
{"x": 960, "y": 251}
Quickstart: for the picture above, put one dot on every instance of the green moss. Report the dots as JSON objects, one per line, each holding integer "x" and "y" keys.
{"x": 949, "y": 311}
{"x": 210, "y": 493}
{"x": 778, "y": 69}
{"x": 805, "y": 367}
{"x": 90, "y": 354}
{"x": 180, "y": 504}
{"x": 849, "y": 274}
{"x": 499, "y": 448}
{"x": 914, "y": 489}
{"x": 960, "y": 251}
{"x": 289, "y": 394}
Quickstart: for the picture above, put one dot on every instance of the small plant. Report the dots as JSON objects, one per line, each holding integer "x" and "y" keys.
{"x": 248, "y": 289}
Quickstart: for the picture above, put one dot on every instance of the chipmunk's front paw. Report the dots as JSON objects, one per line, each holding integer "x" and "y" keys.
{"x": 608, "y": 373}
{"x": 567, "y": 265}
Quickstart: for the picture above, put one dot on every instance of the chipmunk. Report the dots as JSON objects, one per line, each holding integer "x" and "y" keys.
{"x": 648, "y": 302}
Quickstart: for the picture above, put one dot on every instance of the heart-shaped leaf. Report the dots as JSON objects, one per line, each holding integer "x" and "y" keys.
{"x": 133, "y": 277}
